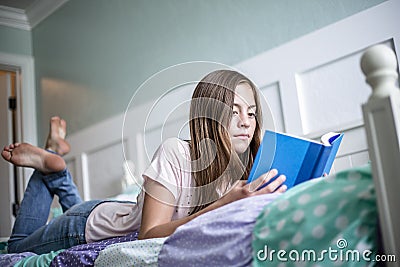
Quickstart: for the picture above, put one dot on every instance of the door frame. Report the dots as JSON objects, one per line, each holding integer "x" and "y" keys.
{"x": 26, "y": 100}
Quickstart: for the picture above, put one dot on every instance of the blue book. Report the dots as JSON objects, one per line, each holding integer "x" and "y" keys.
{"x": 299, "y": 159}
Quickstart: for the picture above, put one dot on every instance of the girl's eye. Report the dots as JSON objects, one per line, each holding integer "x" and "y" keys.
{"x": 251, "y": 115}
{"x": 235, "y": 112}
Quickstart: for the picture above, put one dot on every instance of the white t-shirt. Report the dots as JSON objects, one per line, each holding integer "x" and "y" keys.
{"x": 171, "y": 168}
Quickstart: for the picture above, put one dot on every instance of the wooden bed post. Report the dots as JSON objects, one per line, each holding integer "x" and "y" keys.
{"x": 382, "y": 123}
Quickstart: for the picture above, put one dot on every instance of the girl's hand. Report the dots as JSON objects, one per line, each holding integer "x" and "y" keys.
{"x": 242, "y": 189}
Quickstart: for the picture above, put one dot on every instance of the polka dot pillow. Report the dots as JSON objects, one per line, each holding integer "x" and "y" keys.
{"x": 328, "y": 221}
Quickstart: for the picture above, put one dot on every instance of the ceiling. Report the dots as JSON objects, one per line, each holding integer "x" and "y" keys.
{"x": 26, "y": 14}
{"x": 20, "y": 4}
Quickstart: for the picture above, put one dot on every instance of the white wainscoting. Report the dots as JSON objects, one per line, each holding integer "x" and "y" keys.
{"x": 312, "y": 85}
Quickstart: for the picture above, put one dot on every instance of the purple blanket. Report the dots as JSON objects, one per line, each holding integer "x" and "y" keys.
{"x": 221, "y": 237}
{"x": 81, "y": 255}
{"x": 86, "y": 254}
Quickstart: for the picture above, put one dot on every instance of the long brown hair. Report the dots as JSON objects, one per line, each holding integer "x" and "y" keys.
{"x": 215, "y": 164}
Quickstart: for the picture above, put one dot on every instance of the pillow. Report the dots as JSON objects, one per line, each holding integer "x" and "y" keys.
{"x": 323, "y": 222}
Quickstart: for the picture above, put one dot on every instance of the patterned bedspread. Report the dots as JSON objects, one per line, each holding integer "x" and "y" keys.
{"x": 314, "y": 215}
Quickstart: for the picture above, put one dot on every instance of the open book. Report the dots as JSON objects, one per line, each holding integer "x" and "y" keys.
{"x": 299, "y": 159}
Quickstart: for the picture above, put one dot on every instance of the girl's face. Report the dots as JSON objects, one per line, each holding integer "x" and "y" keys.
{"x": 243, "y": 123}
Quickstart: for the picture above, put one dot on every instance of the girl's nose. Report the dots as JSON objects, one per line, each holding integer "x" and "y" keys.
{"x": 244, "y": 121}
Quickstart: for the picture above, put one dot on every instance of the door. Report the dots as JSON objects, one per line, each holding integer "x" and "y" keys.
{"x": 7, "y": 194}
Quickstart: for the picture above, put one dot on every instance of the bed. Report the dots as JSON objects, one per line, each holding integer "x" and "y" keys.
{"x": 328, "y": 221}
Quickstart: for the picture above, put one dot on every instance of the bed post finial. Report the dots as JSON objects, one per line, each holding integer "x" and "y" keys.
{"x": 382, "y": 124}
{"x": 379, "y": 64}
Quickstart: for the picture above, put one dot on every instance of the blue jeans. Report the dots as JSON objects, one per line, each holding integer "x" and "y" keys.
{"x": 30, "y": 231}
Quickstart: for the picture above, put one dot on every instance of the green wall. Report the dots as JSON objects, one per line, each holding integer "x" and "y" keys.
{"x": 91, "y": 55}
{"x": 15, "y": 41}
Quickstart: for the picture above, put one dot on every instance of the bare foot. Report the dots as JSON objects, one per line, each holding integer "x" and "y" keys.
{"x": 56, "y": 139}
{"x": 26, "y": 155}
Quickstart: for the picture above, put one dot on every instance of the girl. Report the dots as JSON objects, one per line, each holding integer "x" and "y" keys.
{"x": 184, "y": 180}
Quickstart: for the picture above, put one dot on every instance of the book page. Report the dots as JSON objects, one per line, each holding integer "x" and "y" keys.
{"x": 328, "y": 138}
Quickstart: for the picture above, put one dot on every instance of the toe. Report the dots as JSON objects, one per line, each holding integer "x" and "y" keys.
{"x": 6, "y": 155}
{"x": 13, "y": 146}
{"x": 54, "y": 122}
{"x": 63, "y": 123}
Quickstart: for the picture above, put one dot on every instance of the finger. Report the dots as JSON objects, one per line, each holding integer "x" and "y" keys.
{"x": 281, "y": 189}
{"x": 257, "y": 183}
{"x": 238, "y": 183}
{"x": 273, "y": 185}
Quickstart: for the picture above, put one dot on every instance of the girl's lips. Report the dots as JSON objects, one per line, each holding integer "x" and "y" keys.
{"x": 242, "y": 136}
